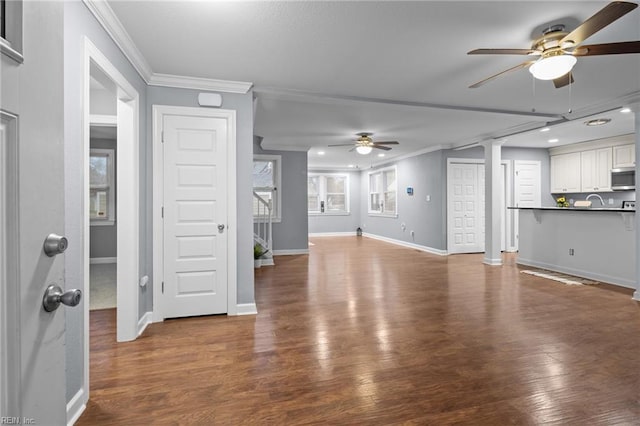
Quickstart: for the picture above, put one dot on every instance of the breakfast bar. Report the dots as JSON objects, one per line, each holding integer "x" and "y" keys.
{"x": 594, "y": 243}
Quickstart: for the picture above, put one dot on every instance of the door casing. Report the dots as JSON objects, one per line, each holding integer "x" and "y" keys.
{"x": 158, "y": 189}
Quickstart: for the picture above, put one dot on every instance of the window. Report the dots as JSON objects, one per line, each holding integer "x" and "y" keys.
{"x": 383, "y": 189}
{"x": 328, "y": 193}
{"x": 266, "y": 182}
{"x": 101, "y": 187}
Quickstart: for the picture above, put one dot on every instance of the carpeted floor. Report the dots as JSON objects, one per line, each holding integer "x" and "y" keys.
{"x": 103, "y": 286}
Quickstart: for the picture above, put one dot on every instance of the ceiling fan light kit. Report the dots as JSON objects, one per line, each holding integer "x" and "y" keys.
{"x": 552, "y": 67}
{"x": 363, "y": 149}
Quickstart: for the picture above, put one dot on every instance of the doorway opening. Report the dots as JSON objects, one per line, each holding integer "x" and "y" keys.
{"x": 466, "y": 206}
{"x": 103, "y": 202}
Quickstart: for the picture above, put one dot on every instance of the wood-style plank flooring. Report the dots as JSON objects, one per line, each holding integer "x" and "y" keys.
{"x": 364, "y": 332}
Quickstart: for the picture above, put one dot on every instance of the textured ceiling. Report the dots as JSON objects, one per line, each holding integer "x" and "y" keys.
{"x": 323, "y": 71}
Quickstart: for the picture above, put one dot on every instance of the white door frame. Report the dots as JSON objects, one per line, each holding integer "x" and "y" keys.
{"x": 158, "y": 190}
{"x": 508, "y": 193}
{"x": 127, "y": 154}
{"x": 9, "y": 271}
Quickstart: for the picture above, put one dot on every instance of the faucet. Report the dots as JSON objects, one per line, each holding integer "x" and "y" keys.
{"x": 597, "y": 196}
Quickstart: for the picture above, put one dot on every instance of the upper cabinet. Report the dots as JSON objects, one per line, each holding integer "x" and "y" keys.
{"x": 624, "y": 156}
{"x": 565, "y": 173}
{"x": 586, "y": 166}
{"x": 595, "y": 170}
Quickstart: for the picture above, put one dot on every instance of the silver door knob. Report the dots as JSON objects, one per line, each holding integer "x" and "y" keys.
{"x": 53, "y": 297}
{"x": 55, "y": 244}
{"x": 221, "y": 227}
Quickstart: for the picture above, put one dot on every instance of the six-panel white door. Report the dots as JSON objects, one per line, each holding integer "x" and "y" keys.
{"x": 195, "y": 216}
{"x": 465, "y": 227}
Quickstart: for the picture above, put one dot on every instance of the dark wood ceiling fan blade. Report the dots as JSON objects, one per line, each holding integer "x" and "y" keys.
{"x": 387, "y": 143}
{"x": 386, "y": 148}
{"x": 503, "y": 52}
{"x": 342, "y": 144}
{"x": 608, "y": 49}
{"x": 564, "y": 80}
{"x": 608, "y": 14}
{"x": 488, "y": 79}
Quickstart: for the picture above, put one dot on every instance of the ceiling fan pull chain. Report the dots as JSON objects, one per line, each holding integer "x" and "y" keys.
{"x": 533, "y": 92}
{"x": 570, "y": 92}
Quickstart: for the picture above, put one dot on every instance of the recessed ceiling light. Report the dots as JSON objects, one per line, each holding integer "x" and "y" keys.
{"x": 625, "y": 110}
{"x": 545, "y": 129}
{"x": 554, "y": 140}
{"x": 351, "y": 165}
{"x": 381, "y": 155}
{"x": 597, "y": 121}
{"x": 320, "y": 152}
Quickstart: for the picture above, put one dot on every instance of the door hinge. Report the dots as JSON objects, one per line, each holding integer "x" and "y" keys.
{"x": 162, "y": 212}
{"x": 162, "y": 136}
{"x": 162, "y": 287}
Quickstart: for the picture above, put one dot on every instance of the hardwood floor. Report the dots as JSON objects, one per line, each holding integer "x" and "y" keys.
{"x": 364, "y": 332}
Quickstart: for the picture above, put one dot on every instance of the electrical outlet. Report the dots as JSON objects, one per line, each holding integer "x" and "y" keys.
{"x": 413, "y": 234}
{"x": 610, "y": 201}
{"x": 571, "y": 252}
{"x": 428, "y": 197}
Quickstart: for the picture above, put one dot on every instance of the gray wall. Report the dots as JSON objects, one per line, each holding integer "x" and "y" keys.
{"x": 243, "y": 105}
{"x": 292, "y": 233}
{"x": 103, "y": 238}
{"x": 340, "y": 223}
{"x": 78, "y": 23}
{"x": 427, "y": 173}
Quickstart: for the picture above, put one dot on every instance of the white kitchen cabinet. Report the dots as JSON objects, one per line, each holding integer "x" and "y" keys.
{"x": 624, "y": 156}
{"x": 595, "y": 170}
{"x": 565, "y": 173}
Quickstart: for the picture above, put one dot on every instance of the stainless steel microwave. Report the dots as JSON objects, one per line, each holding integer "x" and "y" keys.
{"x": 623, "y": 179}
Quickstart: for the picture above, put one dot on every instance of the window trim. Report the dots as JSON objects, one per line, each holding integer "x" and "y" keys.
{"x": 381, "y": 172}
{"x": 111, "y": 215}
{"x": 277, "y": 205}
{"x": 322, "y": 194}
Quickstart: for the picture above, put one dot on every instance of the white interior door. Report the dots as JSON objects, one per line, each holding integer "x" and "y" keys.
{"x": 33, "y": 139}
{"x": 195, "y": 215}
{"x": 465, "y": 217}
{"x": 527, "y": 188}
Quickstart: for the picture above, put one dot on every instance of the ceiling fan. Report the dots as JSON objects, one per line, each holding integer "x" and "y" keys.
{"x": 556, "y": 50}
{"x": 364, "y": 144}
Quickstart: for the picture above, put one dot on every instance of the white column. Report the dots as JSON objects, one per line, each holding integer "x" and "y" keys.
{"x": 493, "y": 194}
{"x": 636, "y": 107}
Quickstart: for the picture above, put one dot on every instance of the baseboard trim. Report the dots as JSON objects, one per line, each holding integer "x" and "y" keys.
{"x": 268, "y": 261}
{"x": 332, "y": 234}
{"x": 100, "y": 260}
{"x": 622, "y": 282}
{"x": 76, "y": 407}
{"x": 408, "y": 244}
{"x": 247, "y": 309}
{"x": 492, "y": 262}
{"x": 146, "y": 319}
{"x": 636, "y": 295}
{"x": 290, "y": 252}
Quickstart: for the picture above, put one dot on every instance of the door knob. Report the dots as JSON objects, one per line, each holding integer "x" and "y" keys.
{"x": 221, "y": 227}
{"x": 55, "y": 244}
{"x": 53, "y": 297}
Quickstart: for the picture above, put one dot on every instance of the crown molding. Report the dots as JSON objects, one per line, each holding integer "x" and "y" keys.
{"x": 197, "y": 83}
{"x": 112, "y": 25}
